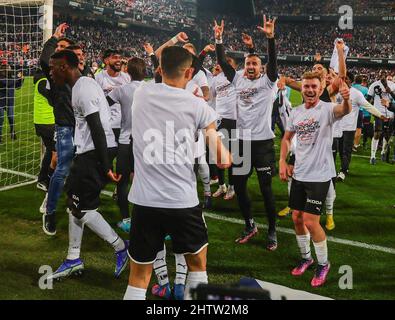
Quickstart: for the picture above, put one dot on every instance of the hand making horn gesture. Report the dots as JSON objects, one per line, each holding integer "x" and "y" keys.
{"x": 268, "y": 27}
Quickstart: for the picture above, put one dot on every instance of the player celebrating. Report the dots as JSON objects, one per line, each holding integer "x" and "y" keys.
{"x": 165, "y": 195}
{"x": 91, "y": 167}
{"x": 123, "y": 96}
{"x": 255, "y": 94}
{"x": 378, "y": 91}
{"x": 312, "y": 124}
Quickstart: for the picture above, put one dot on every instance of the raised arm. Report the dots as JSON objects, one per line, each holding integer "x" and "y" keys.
{"x": 207, "y": 50}
{"x": 228, "y": 70}
{"x": 50, "y": 47}
{"x": 345, "y": 108}
{"x": 248, "y": 42}
{"x": 268, "y": 30}
{"x": 179, "y": 38}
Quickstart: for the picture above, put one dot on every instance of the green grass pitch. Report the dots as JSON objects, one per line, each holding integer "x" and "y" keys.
{"x": 363, "y": 213}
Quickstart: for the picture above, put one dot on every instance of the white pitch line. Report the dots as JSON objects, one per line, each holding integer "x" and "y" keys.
{"x": 292, "y": 232}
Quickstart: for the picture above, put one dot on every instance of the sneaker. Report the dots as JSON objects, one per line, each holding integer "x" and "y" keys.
{"x": 208, "y": 204}
{"x": 272, "y": 244}
{"x": 341, "y": 177}
{"x": 125, "y": 225}
{"x": 230, "y": 194}
{"x": 179, "y": 292}
{"x": 122, "y": 260}
{"x": 302, "y": 267}
{"x": 247, "y": 235}
{"x": 285, "y": 212}
{"x": 214, "y": 181}
{"x": 373, "y": 161}
{"x": 67, "y": 269}
{"x": 222, "y": 190}
{"x": 168, "y": 238}
{"x": 163, "y": 292}
{"x": 49, "y": 224}
{"x": 43, "y": 207}
{"x": 42, "y": 185}
{"x": 330, "y": 222}
{"x": 321, "y": 275}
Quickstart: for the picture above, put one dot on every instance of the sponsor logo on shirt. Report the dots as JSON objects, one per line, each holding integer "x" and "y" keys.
{"x": 306, "y": 129}
{"x": 248, "y": 94}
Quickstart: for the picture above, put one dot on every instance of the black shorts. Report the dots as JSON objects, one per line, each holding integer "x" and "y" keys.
{"x": 186, "y": 227}
{"x": 86, "y": 181}
{"x": 384, "y": 126}
{"x": 47, "y": 134}
{"x": 261, "y": 156}
{"x": 360, "y": 120}
{"x": 308, "y": 196}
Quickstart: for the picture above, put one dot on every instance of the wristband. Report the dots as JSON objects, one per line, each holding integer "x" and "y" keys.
{"x": 174, "y": 40}
{"x": 218, "y": 41}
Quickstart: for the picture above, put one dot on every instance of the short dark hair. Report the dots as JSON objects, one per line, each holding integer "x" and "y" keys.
{"x": 174, "y": 59}
{"x": 350, "y": 76}
{"x": 359, "y": 79}
{"x": 74, "y": 47}
{"x": 137, "y": 69}
{"x": 69, "y": 41}
{"x": 253, "y": 55}
{"x": 69, "y": 56}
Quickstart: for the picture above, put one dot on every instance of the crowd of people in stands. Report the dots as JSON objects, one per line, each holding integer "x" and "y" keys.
{"x": 365, "y": 40}
{"x": 308, "y": 7}
{"x": 172, "y": 10}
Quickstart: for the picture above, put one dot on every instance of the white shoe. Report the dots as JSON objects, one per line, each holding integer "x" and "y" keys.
{"x": 221, "y": 191}
{"x": 213, "y": 182}
{"x": 230, "y": 194}
{"x": 43, "y": 207}
{"x": 341, "y": 177}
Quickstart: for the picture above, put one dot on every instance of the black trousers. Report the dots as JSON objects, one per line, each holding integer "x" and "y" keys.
{"x": 345, "y": 149}
{"x": 261, "y": 156}
{"x": 125, "y": 166}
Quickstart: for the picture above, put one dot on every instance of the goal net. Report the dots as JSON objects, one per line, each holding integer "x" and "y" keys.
{"x": 24, "y": 26}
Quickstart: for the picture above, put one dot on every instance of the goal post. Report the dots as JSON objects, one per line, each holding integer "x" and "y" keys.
{"x": 24, "y": 27}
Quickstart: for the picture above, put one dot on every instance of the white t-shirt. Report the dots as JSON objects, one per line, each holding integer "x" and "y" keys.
{"x": 88, "y": 98}
{"x": 165, "y": 121}
{"x": 313, "y": 129}
{"x": 197, "y": 82}
{"x": 254, "y": 107}
{"x": 350, "y": 121}
{"x": 285, "y": 108}
{"x": 225, "y": 97}
{"x": 377, "y": 91}
{"x": 108, "y": 84}
{"x": 123, "y": 96}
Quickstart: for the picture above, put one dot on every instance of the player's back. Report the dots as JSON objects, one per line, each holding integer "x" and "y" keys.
{"x": 164, "y": 123}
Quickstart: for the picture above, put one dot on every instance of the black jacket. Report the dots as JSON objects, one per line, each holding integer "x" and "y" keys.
{"x": 60, "y": 96}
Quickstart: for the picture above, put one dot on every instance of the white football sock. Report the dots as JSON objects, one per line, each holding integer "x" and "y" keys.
{"x": 94, "y": 221}
{"x": 204, "y": 174}
{"x": 160, "y": 268}
{"x": 304, "y": 246}
{"x": 321, "y": 251}
{"x": 330, "y": 199}
{"x": 385, "y": 144}
{"x": 375, "y": 145}
{"x": 289, "y": 186}
{"x": 193, "y": 281}
{"x": 76, "y": 231}
{"x": 135, "y": 294}
{"x": 181, "y": 269}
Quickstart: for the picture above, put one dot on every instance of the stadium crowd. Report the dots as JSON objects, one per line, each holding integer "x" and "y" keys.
{"x": 360, "y": 7}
